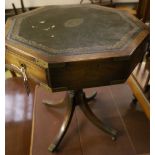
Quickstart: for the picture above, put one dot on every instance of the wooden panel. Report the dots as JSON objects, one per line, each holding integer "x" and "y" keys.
{"x": 137, "y": 56}
{"x": 87, "y": 74}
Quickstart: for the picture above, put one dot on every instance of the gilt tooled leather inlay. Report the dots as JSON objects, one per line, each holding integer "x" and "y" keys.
{"x": 78, "y": 29}
{"x": 73, "y": 22}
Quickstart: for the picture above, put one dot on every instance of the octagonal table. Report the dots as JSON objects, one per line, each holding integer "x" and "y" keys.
{"x": 74, "y": 47}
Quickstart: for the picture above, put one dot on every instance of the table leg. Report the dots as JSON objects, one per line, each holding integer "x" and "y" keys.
{"x": 56, "y": 104}
{"x": 78, "y": 98}
{"x": 89, "y": 98}
{"x": 69, "y": 113}
{"x": 91, "y": 116}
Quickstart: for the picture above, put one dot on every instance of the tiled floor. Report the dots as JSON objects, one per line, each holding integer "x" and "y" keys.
{"x": 112, "y": 105}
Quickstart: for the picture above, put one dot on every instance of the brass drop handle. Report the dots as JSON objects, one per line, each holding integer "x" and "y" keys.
{"x": 26, "y": 83}
{"x": 22, "y": 71}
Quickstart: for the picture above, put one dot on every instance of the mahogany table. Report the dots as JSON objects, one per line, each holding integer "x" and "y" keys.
{"x": 74, "y": 47}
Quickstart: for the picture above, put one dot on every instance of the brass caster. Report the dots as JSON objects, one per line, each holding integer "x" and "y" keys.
{"x": 52, "y": 148}
{"x": 92, "y": 97}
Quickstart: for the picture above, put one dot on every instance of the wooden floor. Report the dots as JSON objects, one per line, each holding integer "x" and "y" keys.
{"x": 112, "y": 104}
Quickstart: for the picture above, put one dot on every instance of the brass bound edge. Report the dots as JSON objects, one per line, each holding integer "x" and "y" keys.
{"x": 41, "y": 63}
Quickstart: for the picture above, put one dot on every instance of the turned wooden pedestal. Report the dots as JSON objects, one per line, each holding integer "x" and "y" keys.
{"x": 78, "y": 98}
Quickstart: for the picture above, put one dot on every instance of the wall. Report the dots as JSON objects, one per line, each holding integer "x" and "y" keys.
{"x": 32, "y": 3}
{"x": 125, "y": 1}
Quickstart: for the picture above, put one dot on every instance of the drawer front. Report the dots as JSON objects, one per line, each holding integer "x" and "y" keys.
{"x": 33, "y": 71}
{"x": 79, "y": 75}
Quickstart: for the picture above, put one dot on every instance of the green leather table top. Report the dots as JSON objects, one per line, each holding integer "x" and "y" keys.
{"x": 74, "y": 29}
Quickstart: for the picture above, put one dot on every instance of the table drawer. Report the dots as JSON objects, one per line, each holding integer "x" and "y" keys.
{"x": 33, "y": 71}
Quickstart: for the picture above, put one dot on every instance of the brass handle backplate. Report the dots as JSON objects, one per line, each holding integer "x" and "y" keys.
{"x": 21, "y": 70}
